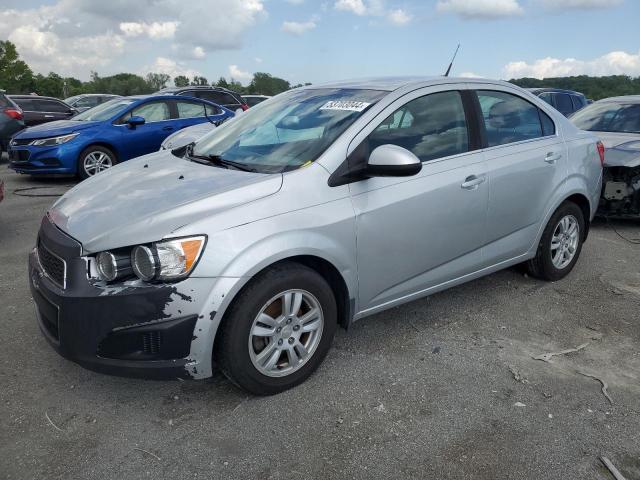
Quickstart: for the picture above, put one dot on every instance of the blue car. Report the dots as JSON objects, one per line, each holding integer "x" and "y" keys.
{"x": 110, "y": 133}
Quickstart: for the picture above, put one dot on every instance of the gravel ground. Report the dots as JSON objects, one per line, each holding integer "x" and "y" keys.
{"x": 444, "y": 387}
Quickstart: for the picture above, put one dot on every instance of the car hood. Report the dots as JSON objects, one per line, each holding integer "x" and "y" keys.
{"x": 54, "y": 129}
{"x": 187, "y": 135}
{"x": 621, "y": 149}
{"x": 146, "y": 199}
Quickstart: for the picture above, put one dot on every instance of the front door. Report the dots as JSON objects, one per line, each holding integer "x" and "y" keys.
{"x": 415, "y": 233}
{"x": 146, "y": 138}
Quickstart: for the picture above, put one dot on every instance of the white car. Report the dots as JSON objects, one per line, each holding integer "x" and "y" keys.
{"x": 187, "y": 135}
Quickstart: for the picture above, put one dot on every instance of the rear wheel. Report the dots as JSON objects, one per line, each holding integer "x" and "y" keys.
{"x": 278, "y": 330}
{"x": 95, "y": 159}
{"x": 560, "y": 244}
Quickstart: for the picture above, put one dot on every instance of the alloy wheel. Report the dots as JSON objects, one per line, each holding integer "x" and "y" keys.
{"x": 95, "y": 162}
{"x": 286, "y": 333}
{"x": 564, "y": 241}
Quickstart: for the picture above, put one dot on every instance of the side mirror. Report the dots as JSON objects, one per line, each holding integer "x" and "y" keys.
{"x": 392, "y": 161}
{"x": 133, "y": 122}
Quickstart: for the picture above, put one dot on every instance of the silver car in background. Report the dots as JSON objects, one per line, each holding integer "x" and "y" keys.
{"x": 616, "y": 121}
{"x": 318, "y": 208}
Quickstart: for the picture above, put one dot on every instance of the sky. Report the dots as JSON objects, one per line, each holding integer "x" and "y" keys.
{"x": 324, "y": 40}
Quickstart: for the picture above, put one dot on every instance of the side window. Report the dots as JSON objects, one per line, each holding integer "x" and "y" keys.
{"x": 26, "y": 104}
{"x": 220, "y": 98}
{"x": 548, "y": 127}
{"x": 211, "y": 110}
{"x": 547, "y": 98}
{"x": 433, "y": 126}
{"x": 190, "y": 109}
{"x": 563, "y": 103}
{"x": 578, "y": 102}
{"x": 508, "y": 118}
{"x": 152, "y": 112}
{"x": 87, "y": 102}
{"x": 51, "y": 106}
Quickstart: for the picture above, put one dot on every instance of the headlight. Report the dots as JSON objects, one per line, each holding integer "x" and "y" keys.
{"x": 164, "y": 261}
{"x": 112, "y": 266}
{"x": 53, "y": 141}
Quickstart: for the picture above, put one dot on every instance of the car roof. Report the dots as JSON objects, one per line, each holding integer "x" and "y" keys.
{"x": 622, "y": 99}
{"x": 551, "y": 89}
{"x": 394, "y": 83}
{"x": 193, "y": 87}
{"x": 41, "y": 97}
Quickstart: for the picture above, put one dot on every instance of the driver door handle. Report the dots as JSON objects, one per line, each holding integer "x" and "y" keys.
{"x": 167, "y": 128}
{"x": 472, "y": 182}
{"x": 552, "y": 157}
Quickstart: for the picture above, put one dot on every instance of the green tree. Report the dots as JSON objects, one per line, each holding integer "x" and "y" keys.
{"x": 236, "y": 86}
{"x": 50, "y": 86}
{"x": 266, "y": 84}
{"x": 199, "y": 81}
{"x": 222, "y": 83}
{"x": 181, "y": 81}
{"x": 157, "y": 81}
{"x": 15, "y": 75}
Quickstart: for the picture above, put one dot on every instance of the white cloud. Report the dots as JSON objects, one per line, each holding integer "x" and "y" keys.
{"x": 152, "y": 30}
{"x": 238, "y": 74}
{"x": 613, "y": 63}
{"x": 258, "y": 60}
{"x": 198, "y": 52}
{"x": 295, "y": 2}
{"x": 361, "y": 7}
{"x": 470, "y": 75}
{"x": 480, "y": 9}
{"x": 298, "y": 28}
{"x": 170, "y": 67}
{"x": 72, "y": 37}
{"x": 399, "y": 17}
{"x": 580, "y": 4}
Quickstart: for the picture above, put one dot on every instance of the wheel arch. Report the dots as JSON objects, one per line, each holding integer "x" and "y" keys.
{"x": 101, "y": 143}
{"x": 581, "y": 201}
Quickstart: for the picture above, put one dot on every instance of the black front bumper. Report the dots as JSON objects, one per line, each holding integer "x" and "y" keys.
{"x": 123, "y": 331}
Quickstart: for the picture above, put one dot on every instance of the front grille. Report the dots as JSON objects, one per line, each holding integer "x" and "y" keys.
{"x": 19, "y": 155}
{"x": 21, "y": 142}
{"x": 151, "y": 342}
{"x": 54, "y": 267}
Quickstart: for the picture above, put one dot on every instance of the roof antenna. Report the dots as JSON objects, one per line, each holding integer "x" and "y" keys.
{"x": 452, "y": 60}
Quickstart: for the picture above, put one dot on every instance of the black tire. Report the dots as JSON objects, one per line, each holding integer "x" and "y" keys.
{"x": 82, "y": 173}
{"x": 541, "y": 266}
{"x": 231, "y": 349}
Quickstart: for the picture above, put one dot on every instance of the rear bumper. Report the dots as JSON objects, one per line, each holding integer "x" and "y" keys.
{"x": 128, "y": 331}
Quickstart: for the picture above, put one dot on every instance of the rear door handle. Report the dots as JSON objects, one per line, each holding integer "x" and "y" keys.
{"x": 167, "y": 128}
{"x": 472, "y": 182}
{"x": 48, "y": 116}
{"x": 552, "y": 157}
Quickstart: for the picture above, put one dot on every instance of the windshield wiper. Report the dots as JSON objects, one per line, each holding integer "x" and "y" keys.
{"x": 219, "y": 161}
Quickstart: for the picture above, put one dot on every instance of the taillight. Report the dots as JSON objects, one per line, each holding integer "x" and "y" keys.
{"x": 600, "y": 146}
{"x": 244, "y": 107}
{"x": 13, "y": 113}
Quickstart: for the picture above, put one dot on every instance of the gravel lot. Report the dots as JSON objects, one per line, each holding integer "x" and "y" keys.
{"x": 444, "y": 387}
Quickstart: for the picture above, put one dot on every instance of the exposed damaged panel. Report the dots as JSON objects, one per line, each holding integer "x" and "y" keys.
{"x": 621, "y": 192}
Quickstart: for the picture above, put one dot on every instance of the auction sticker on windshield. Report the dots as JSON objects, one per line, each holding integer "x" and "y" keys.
{"x": 350, "y": 106}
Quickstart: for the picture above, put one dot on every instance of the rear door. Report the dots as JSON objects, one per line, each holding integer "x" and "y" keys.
{"x": 191, "y": 112}
{"x": 418, "y": 232}
{"x": 146, "y": 138}
{"x": 53, "y": 109}
{"x": 526, "y": 163}
{"x": 30, "y": 112}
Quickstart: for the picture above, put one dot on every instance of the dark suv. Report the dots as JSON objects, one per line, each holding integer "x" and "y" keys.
{"x": 227, "y": 98}
{"x": 11, "y": 120}
{"x": 565, "y": 101}
{"x": 37, "y": 109}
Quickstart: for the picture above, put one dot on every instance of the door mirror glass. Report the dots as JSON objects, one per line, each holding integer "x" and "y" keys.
{"x": 135, "y": 121}
{"x": 392, "y": 161}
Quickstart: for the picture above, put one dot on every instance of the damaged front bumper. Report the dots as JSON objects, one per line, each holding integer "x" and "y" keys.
{"x": 133, "y": 329}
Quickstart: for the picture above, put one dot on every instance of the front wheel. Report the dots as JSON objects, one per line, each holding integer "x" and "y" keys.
{"x": 278, "y": 330}
{"x": 560, "y": 244}
{"x": 94, "y": 159}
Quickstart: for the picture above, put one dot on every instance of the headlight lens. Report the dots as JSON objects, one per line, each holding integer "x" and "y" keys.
{"x": 112, "y": 266}
{"x": 176, "y": 258}
{"x": 144, "y": 263}
{"x": 53, "y": 141}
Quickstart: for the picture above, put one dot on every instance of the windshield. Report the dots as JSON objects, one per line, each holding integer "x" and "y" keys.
{"x": 288, "y": 131}
{"x": 71, "y": 99}
{"x": 105, "y": 111}
{"x": 609, "y": 117}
